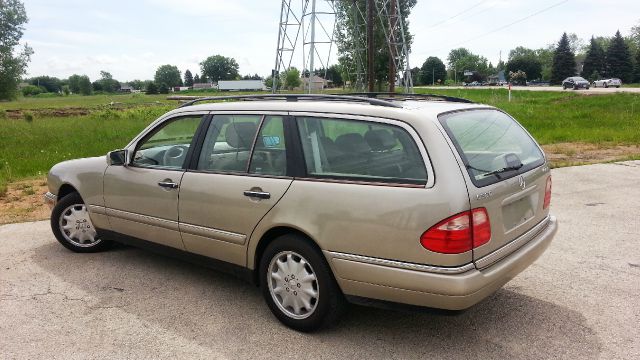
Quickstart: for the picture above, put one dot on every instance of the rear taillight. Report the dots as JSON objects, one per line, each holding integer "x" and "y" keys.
{"x": 459, "y": 233}
{"x": 547, "y": 194}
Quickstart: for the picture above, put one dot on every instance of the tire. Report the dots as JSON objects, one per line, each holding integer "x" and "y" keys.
{"x": 606, "y": 85}
{"x": 564, "y": 87}
{"x": 71, "y": 209}
{"x": 322, "y": 293}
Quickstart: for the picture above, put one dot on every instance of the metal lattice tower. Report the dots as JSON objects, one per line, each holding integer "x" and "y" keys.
{"x": 315, "y": 21}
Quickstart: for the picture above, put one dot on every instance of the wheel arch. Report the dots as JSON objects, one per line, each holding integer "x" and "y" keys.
{"x": 269, "y": 236}
{"x": 66, "y": 189}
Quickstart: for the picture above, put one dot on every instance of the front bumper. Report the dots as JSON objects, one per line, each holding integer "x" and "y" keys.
{"x": 436, "y": 287}
{"x": 50, "y": 199}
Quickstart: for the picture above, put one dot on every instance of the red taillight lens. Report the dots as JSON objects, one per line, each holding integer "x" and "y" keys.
{"x": 547, "y": 194}
{"x": 459, "y": 233}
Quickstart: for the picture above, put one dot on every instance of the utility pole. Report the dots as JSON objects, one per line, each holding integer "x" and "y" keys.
{"x": 393, "y": 19}
{"x": 312, "y": 46}
{"x": 370, "y": 45}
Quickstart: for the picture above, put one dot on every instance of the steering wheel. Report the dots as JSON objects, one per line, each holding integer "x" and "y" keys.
{"x": 175, "y": 155}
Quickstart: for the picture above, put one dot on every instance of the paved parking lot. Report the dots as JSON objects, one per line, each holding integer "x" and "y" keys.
{"x": 581, "y": 300}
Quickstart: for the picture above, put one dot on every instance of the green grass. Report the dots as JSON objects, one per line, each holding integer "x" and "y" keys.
{"x": 30, "y": 148}
{"x": 554, "y": 117}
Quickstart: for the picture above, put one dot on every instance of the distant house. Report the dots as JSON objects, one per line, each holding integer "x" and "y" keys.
{"x": 125, "y": 88}
{"x": 317, "y": 83}
{"x": 179, "y": 88}
{"x": 497, "y": 78}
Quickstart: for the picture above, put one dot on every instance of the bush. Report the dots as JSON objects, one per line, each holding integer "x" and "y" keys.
{"x": 48, "y": 95}
{"x": 31, "y": 90}
{"x": 65, "y": 90}
{"x": 518, "y": 78}
{"x": 28, "y": 116}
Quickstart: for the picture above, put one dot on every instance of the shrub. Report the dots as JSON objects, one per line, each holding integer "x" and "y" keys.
{"x": 28, "y": 116}
{"x": 31, "y": 90}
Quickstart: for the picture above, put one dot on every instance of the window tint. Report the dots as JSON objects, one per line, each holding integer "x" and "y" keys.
{"x": 168, "y": 146}
{"x": 269, "y": 157}
{"x": 360, "y": 150}
{"x": 490, "y": 143}
{"x": 227, "y": 144}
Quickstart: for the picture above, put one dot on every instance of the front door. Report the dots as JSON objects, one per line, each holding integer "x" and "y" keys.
{"x": 241, "y": 173}
{"x": 141, "y": 198}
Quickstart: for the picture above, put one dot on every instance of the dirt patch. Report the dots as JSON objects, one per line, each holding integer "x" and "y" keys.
{"x": 568, "y": 154}
{"x": 23, "y": 201}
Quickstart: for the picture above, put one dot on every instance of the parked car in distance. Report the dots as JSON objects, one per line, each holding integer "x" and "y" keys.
{"x": 605, "y": 83}
{"x": 575, "y": 83}
{"x": 537, "y": 83}
{"x": 322, "y": 199}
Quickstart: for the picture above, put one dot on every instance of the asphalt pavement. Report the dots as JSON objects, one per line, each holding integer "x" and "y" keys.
{"x": 580, "y": 300}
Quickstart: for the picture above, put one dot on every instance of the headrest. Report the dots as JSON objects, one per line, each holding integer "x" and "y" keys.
{"x": 352, "y": 143}
{"x": 380, "y": 140}
{"x": 240, "y": 135}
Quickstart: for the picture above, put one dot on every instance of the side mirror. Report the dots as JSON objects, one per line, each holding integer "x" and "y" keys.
{"x": 117, "y": 158}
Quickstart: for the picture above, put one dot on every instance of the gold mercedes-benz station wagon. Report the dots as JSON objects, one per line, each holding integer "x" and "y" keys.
{"x": 323, "y": 200}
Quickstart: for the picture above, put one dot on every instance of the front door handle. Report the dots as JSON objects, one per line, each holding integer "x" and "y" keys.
{"x": 168, "y": 184}
{"x": 257, "y": 194}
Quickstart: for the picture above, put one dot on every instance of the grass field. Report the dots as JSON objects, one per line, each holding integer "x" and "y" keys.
{"x": 36, "y": 133}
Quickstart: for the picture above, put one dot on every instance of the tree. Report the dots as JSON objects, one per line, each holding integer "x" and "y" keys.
{"x": 618, "y": 59}
{"x": 196, "y": 79}
{"x": 334, "y": 73}
{"x": 65, "y": 90}
{"x": 106, "y": 83}
{"x": 545, "y": 56}
{"x": 218, "y": 67}
{"x": 351, "y": 38}
{"x": 188, "y": 78}
{"x": 74, "y": 83}
{"x": 31, "y": 90}
{"x": 139, "y": 84}
{"x": 13, "y": 64}
{"x": 291, "y": 78}
{"x": 84, "y": 85}
{"x": 203, "y": 78}
{"x": 163, "y": 89}
{"x": 432, "y": 71}
{"x": 152, "y": 88}
{"x": 526, "y": 60}
{"x": 51, "y": 84}
{"x": 635, "y": 34}
{"x": 594, "y": 62}
{"x": 268, "y": 82}
{"x": 461, "y": 60}
{"x": 564, "y": 61}
{"x": 169, "y": 75}
{"x": 637, "y": 68}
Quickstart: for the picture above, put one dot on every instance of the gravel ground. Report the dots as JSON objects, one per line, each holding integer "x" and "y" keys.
{"x": 579, "y": 301}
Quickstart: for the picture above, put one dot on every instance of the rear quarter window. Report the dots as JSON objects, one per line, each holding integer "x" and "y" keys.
{"x": 492, "y": 145}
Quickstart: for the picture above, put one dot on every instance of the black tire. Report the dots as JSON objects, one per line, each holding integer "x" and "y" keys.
{"x": 330, "y": 304}
{"x": 62, "y": 205}
{"x": 606, "y": 85}
{"x": 564, "y": 87}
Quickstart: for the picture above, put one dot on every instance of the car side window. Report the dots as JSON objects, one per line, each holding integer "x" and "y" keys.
{"x": 269, "y": 154}
{"x": 167, "y": 146}
{"x": 360, "y": 150}
{"x": 228, "y": 143}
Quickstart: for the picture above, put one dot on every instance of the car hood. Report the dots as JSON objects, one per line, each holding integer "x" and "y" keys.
{"x": 74, "y": 171}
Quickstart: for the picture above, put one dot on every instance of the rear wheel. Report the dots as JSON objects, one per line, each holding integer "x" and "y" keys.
{"x": 72, "y": 226}
{"x": 298, "y": 285}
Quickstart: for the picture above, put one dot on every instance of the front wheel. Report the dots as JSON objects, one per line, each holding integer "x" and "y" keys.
{"x": 298, "y": 285}
{"x": 72, "y": 226}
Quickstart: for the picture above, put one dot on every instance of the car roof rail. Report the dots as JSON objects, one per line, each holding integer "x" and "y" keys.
{"x": 191, "y": 100}
{"x": 404, "y": 96}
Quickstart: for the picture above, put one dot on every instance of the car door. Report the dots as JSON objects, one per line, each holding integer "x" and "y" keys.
{"x": 240, "y": 173}
{"x": 141, "y": 198}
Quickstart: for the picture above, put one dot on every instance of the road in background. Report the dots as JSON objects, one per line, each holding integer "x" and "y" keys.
{"x": 591, "y": 90}
{"x": 578, "y": 301}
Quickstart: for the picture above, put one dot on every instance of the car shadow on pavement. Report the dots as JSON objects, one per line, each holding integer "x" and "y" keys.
{"x": 213, "y": 308}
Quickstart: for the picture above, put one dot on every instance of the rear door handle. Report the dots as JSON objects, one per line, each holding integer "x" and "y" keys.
{"x": 168, "y": 184}
{"x": 257, "y": 194}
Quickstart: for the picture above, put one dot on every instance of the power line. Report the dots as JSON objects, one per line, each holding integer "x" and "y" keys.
{"x": 458, "y": 14}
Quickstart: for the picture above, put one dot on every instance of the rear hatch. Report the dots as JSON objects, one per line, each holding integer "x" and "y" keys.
{"x": 507, "y": 174}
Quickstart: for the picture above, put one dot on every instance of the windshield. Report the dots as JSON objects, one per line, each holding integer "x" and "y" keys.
{"x": 580, "y": 79}
{"x": 493, "y": 146}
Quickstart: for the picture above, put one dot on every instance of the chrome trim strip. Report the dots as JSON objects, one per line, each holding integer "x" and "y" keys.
{"x": 212, "y": 233}
{"x": 143, "y": 219}
{"x": 97, "y": 209}
{"x": 514, "y": 245}
{"x": 403, "y": 265}
{"x": 50, "y": 199}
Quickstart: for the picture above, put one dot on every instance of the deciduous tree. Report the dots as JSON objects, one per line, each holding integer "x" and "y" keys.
{"x": 219, "y": 67}
{"x": 84, "y": 84}
{"x": 433, "y": 71}
{"x": 13, "y": 64}
{"x": 152, "y": 88}
{"x": 169, "y": 75}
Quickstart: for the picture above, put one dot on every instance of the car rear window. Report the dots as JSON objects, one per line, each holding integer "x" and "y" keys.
{"x": 492, "y": 145}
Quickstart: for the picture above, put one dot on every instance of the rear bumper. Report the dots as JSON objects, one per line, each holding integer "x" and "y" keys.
{"x": 50, "y": 199}
{"x": 436, "y": 287}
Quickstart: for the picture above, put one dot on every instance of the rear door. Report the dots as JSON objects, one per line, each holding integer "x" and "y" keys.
{"x": 239, "y": 175}
{"x": 506, "y": 172}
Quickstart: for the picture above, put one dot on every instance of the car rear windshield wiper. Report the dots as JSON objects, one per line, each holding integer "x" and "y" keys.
{"x": 503, "y": 170}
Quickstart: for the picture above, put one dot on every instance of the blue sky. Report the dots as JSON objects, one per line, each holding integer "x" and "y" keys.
{"x": 132, "y": 38}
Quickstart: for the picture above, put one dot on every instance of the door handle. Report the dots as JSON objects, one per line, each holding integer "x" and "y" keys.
{"x": 257, "y": 194}
{"x": 168, "y": 184}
